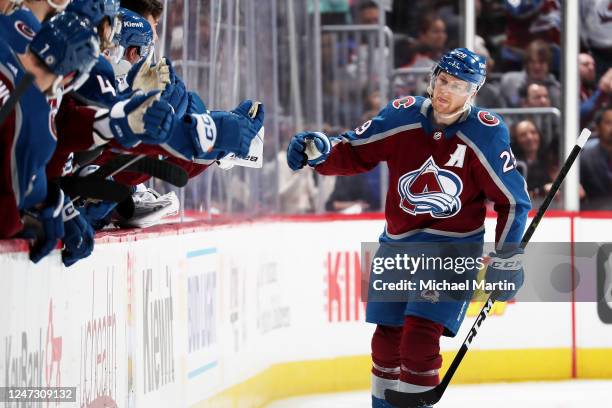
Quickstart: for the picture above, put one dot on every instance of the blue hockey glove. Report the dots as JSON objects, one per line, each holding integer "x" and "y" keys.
{"x": 310, "y": 148}
{"x": 79, "y": 235}
{"x": 506, "y": 267}
{"x": 49, "y": 226}
{"x": 97, "y": 214}
{"x": 213, "y": 135}
{"x": 176, "y": 95}
{"x": 195, "y": 103}
{"x": 141, "y": 118}
{"x": 236, "y": 129}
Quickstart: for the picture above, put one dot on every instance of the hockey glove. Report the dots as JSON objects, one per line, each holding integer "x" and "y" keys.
{"x": 45, "y": 226}
{"x": 147, "y": 77}
{"x": 213, "y": 135}
{"x": 310, "y": 148}
{"x": 143, "y": 118}
{"x": 195, "y": 104}
{"x": 236, "y": 129}
{"x": 79, "y": 235}
{"x": 176, "y": 95}
{"x": 506, "y": 268}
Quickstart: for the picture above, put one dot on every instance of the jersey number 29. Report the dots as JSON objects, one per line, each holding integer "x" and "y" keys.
{"x": 509, "y": 160}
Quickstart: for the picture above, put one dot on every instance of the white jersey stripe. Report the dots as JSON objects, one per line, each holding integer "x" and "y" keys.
{"x": 434, "y": 232}
{"x": 499, "y": 184}
{"x": 393, "y": 370}
{"x": 379, "y": 136}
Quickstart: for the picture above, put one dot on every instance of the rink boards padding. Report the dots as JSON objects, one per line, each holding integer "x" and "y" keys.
{"x": 239, "y": 314}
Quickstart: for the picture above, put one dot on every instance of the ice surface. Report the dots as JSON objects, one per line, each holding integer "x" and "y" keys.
{"x": 562, "y": 394}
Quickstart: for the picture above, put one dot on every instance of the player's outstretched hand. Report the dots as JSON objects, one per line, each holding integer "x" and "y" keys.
{"x": 310, "y": 148}
{"x": 506, "y": 267}
{"x": 79, "y": 235}
{"x": 143, "y": 118}
{"x": 238, "y": 128}
{"x": 45, "y": 226}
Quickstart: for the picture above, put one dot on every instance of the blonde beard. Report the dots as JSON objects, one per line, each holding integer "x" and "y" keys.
{"x": 450, "y": 118}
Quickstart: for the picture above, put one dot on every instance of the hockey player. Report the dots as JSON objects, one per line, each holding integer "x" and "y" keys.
{"x": 462, "y": 155}
{"x": 63, "y": 51}
{"x": 18, "y": 25}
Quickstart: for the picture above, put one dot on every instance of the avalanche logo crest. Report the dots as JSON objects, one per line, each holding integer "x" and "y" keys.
{"x": 430, "y": 190}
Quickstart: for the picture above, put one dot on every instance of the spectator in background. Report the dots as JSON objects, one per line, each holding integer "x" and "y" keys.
{"x": 527, "y": 20}
{"x": 490, "y": 94}
{"x": 596, "y": 32}
{"x": 535, "y": 95}
{"x": 527, "y": 146}
{"x": 356, "y": 194}
{"x": 596, "y": 165}
{"x": 369, "y": 13}
{"x": 431, "y": 41}
{"x": 423, "y": 54}
{"x": 538, "y": 58}
{"x": 593, "y": 95}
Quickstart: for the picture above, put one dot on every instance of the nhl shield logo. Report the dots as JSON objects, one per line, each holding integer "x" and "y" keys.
{"x": 430, "y": 190}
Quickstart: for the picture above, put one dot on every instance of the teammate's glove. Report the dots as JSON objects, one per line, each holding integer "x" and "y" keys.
{"x": 176, "y": 95}
{"x": 507, "y": 266}
{"x": 236, "y": 129}
{"x": 45, "y": 226}
{"x": 213, "y": 135}
{"x": 143, "y": 118}
{"x": 195, "y": 103}
{"x": 147, "y": 77}
{"x": 310, "y": 148}
{"x": 79, "y": 235}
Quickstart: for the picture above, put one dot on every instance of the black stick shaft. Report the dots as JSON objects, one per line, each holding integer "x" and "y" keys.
{"x": 17, "y": 94}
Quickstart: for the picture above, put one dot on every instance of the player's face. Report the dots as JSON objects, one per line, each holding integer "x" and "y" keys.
{"x": 449, "y": 93}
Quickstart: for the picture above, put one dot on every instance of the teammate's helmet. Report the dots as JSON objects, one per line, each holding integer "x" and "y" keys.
{"x": 66, "y": 44}
{"x": 95, "y": 10}
{"x": 523, "y": 8}
{"x": 465, "y": 65}
{"x": 135, "y": 32}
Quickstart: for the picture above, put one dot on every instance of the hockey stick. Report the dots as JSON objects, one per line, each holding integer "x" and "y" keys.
{"x": 117, "y": 165}
{"x": 161, "y": 169}
{"x": 13, "y": 100}
{"x": 431, "y": 397}
{"x": 95, "y": 188}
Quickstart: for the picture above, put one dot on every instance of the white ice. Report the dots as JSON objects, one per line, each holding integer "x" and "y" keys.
{"x": 562, "y": 394}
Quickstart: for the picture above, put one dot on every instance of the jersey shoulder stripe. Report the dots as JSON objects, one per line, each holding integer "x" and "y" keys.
{"x": 400, "y": 115}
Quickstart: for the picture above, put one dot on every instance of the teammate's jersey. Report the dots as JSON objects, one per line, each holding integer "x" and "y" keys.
{"x": 18, "y": 28}
{"x": 439, "y": 179}
{"x": 27, "y": 141}
{"x": 100, "y": 89}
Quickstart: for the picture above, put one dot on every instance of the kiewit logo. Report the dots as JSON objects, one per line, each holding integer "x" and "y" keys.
{"x": 131, "y": 24}
{"x": 430, "y": 190}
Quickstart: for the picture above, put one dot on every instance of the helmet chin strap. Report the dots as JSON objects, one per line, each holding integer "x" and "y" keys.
{"x": 451, "y": 117}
